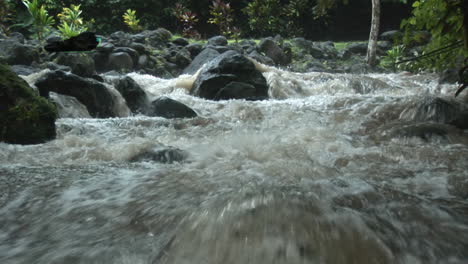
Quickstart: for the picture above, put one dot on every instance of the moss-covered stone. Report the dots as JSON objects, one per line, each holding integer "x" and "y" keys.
{"x": 25, "y": 117}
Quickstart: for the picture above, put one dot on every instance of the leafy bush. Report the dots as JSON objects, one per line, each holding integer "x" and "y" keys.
{"x": 71, "y": 24}
{"x": 393, "y": 56}
{"x": 444, "y": 20}
{"x": 222, "y": 16}
{"x": 131, "y": 20}
{"x": 41, "y": 20}
{"x": 188, "y": 19}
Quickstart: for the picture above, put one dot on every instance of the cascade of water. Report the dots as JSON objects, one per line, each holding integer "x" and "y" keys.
{"x": 335, "y": 168}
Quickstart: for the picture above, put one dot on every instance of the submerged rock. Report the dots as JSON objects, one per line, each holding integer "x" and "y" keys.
{"x": 26, "y": 118}
{"x": 169, "y": 108}
{"x": 93, "y": 94}
{"x": 68, "y": 106}
{"x": 230, "y": 76}
{"x": 162, "y": 155}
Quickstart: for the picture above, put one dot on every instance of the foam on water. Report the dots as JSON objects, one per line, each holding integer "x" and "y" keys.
{"x": 326, "y": 172}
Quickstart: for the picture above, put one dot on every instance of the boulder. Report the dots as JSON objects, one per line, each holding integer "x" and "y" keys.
{"x": 158, "y": 37}
{"x": 68, "y": 106}
{"x": 161, "y": 154}
{"x": 180, "y": 42}
{"x": 81, "y": 64}
{"x": 205, "y": 56}
{"x": 120, "y": 61}
{"x": 26, "y": 118}
{"x": 437, "y": 110}
{"x": 225, "y": 72}
{"x": 133, "y": 53}
{"x": 94, "y": 95}
{"x": 17, "y": 53}
{"x": 194, "y": 49}
{"x": 273, "y": 51}
{"x": 218, "y": 41}
{"x": 182, "y": 58}
{"x": 260, "y": 58}
{"x": 169, "y": 108}
{"x": 133, "y": 94}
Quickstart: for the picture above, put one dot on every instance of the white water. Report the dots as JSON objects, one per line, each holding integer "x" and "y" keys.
{"x": 320, "y": 174}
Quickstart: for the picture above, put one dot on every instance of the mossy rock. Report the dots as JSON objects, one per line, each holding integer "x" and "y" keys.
{"x": 26, "y": 118}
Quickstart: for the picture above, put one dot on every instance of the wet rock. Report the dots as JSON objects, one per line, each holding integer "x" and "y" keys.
{"x": 133, "y": 94}
{"x": 120, "y": 61}
{"x": 218, "y": 41}
{"x": 54, "y": 66}
{"x": 169, "y": 108}
{"x": 138, "y": 47}
{"x": 194, "y": 49}
{"x": 180, "y": 42}
{"x": 217, "y": 76}
{"x": 68, "y": 106}
{"x": 93, "y": 94}
{"x": 273, "y": 51}
{"x": 182, "y": 58}
{"x": 161, "y": 155}
{"x": 81, "y": 64}
{"x": 105, "y": 47}
{"x": 15, "y": 52}
{"x": 26, "y": 118}
{"x": 205, "y": 56}
{"x": 260, "y": 58}
{"x": 436, "y": 109}
{"x": 133, "y": 53}
{"x": 158, "y": 37}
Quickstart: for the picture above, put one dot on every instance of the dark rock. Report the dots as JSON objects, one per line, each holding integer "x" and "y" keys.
{"x": 133, "y": 53}
{"x": 94, "y": 95}
{"x": 182, "y": 58}
{"x": 140, "y": 48}
{"x": 194, "y": 49}
{"x": 68, "y": 106}
{"x": 385, "y": 45}
{"x": 218, "y": 41}
{"x": 169, "y": 108}
{"x": 236, "y": 90}
{"x": 317, "y": 52}
{"x": 180, "y": 42}
{"x": 161, "y": 154}
{"x": 120, "y": 39}
{"x": 26, "y": 118}
{"x": 133, "y": 94}
{"x": 81, "y": 64}
{"x": 260, "y": 58}
{"x": 227, "y": 68}
{"x": 158, "y": 37}
{"x": 105, "y": 47}
{"x": 220, "y": 49}
{"x": 97, "y": 78}
{"x": 272, "y": 50}
{"x": 353, "y": 49}
{"x": 120, "y": 61}
{"x": 205, "y": 56}
{"x": 101, "y": 60}
{"x": 17, "y": 53}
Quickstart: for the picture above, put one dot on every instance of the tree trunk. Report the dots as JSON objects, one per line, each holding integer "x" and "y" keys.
{"x": 374, "y": 33}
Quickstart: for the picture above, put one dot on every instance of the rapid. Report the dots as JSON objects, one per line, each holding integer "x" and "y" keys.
{"x": 334, "y": 169}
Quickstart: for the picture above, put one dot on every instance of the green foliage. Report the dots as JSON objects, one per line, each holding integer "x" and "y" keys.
{"x": 222, "y": 16}
{"x": 188, "y": 19}
{"x": 71, "y": 23}
{"x": 393, "y": 56}
{"x": 131, "y": 20}
{"x": 41, "y": 20}
{"x": 444, "y": 20}
{"x": 271, "y": 17}
{"x": 6, "y": 16}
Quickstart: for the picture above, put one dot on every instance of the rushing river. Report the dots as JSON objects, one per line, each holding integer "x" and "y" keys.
{"x": 334, "y": 169}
